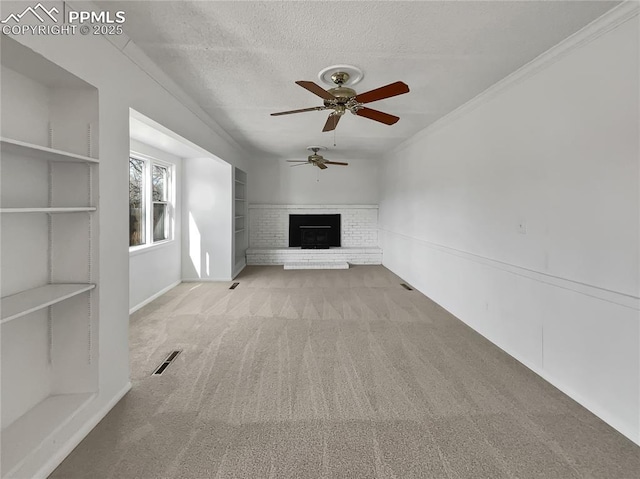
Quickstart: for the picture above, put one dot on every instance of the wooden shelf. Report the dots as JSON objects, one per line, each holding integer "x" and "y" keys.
{"x": 27, "y": 433}
{"x": 239, "y": 199}
{"x": 26, "y": 302}
{"x": 241, "y": 229}
{"x": 241, "y": 182}
{"x": 42, "y": 152}
{"x": 241, "y": 216}
{"x": 54, "y": 209}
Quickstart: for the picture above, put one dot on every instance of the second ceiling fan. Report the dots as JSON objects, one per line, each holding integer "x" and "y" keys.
{"x": 317, "y": 160}
{"x": 342, "y": 98}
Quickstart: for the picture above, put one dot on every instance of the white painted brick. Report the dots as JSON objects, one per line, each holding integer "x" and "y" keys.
{"x": 261, "y": 256}
{"x": 269, "y": 224}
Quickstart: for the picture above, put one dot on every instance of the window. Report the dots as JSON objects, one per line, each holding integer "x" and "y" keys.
{"x": 160, "y": 186}
{"x": 136, "y": 202}
{"x": 150, "y": 203}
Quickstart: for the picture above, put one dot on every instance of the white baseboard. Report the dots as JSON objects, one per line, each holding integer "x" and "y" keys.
{"x": 155, "y": 296}
{"x": 598, "y": 411}
{"x": 205, "y": 280}
{"x": 55, "y": 460}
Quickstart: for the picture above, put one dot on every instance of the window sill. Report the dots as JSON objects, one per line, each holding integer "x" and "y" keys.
{"x": 148, "y": 248}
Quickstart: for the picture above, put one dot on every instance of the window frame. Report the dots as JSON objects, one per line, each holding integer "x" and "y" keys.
{"x": 147, "y": 188}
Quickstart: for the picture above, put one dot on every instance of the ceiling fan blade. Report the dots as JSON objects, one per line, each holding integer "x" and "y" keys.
{"x": 387, "y": 91}
{"x": 301, "y": 164}
{"x": 332, "y": 122}
{"x": 299, "y": 161}
{"x": 377, "y": 115}
{"x": 315, "y": 108}
{"x": 322, "y": 166}
{"x": 335, "y": 163}
{"x": 316, "y": 90}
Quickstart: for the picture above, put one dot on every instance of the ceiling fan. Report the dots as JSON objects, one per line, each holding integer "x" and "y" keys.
{"x": 317, "y": 160}
{"x": 342, "y": 98}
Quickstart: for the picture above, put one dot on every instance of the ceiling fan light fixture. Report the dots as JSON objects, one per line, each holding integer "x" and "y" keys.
{"x": 340, "y": 78}
{"x": 348, "y": 74}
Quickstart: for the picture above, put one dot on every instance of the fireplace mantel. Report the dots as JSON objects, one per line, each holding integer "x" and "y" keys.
{"x": 258, "y": 206}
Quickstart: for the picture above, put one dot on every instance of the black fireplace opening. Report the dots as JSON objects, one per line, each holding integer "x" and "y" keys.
{"x": 314, "y": 231}
{"x": 314, "y": 237}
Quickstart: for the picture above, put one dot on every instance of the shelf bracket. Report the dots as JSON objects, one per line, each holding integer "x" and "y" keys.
{"x": 49, "y": 336}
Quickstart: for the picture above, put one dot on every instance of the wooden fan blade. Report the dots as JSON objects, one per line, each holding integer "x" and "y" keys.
{"x": 322, "y": 166}
{"x": 315, "y": 108}
{"x": 387, "y": 91}
{"x": 332, "y": 122}
{"x": 301, "y": 164}
{"x": 316, "y": 90}
{"x": 298, "y": 161}
{"x": 377, "y": 115}
{"x": 335, "y": 163}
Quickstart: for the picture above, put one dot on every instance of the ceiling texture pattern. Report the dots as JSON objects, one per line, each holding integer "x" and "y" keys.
{"x": 239, "y": 59}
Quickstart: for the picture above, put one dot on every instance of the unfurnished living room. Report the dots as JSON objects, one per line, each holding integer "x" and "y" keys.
{"x": 320, "y": 239}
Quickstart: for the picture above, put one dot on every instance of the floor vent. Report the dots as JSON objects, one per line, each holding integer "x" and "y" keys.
{"x": 234, "y": 286}
{"x": 172, "y": 356}
{"x": 406, "y": 286}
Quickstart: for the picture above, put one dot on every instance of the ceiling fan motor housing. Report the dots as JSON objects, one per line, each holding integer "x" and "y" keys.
{"x": 344, "y": 99}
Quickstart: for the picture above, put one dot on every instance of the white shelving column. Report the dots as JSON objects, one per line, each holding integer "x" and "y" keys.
{"x": 240, "y": 221}
{"x": 48, "y": 209}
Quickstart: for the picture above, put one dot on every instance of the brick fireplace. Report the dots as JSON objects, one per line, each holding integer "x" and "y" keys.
{"x": 355, "y": 228}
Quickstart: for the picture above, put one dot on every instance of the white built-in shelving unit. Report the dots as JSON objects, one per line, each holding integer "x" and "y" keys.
{"x": 48, "y": 214}
{"x": 240, "y": 237}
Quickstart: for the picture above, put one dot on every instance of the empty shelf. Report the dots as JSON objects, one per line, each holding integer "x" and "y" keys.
{"x": 54, "y": 209}
{"x": 26, "y": 302}
{"x": 42, "y": 152}
{"x": 23, "y": 437}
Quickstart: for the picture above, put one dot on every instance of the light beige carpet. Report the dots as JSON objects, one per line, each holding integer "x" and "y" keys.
{"x": 334, "y": 374}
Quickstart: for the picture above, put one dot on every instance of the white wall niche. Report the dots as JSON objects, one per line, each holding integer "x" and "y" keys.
{"x": 49, "y": 214}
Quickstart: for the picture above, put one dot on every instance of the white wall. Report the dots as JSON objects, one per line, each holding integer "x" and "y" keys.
{"x": 155, "y": 269}
{"x": 519, "y": 214}
{"x": 276, "y": 182}
{"x": 208, "y": 220}
{"x": 122, "y": 84}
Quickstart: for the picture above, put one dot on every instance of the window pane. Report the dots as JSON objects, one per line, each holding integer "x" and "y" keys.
{"x": 136, "y": 202}
{"x": 160, "y": 222}
{"x": 159, "y": 181}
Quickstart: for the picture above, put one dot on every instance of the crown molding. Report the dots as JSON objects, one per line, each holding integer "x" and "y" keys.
{"x": 601, "y": 25}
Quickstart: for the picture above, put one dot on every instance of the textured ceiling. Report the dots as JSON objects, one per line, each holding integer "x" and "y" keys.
{"x": 239, "y": 60}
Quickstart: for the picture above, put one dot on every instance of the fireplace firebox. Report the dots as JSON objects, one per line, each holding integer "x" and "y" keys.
{"x": 314, "y": 231}
{"x": 314, "y": 237}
